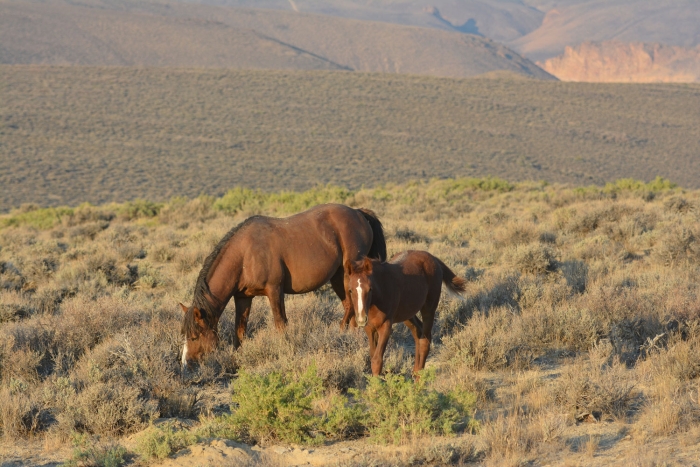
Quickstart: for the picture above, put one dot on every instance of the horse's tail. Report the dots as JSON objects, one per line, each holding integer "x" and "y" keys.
{"x": 455, "y": 284}
{"x": 378, "y": 248}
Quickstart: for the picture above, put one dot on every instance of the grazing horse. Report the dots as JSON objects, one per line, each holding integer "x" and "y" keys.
{"x": 272, "y": 257}
{"x": 386, "y": 293}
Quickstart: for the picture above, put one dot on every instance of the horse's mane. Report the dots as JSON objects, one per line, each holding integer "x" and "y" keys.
{"x": 207, "y": 303}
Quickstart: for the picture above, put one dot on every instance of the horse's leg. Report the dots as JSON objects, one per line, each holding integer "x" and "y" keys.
{"x": 416, "y": 328}
{"x": 276, "y": 297}
{"x": 243, "y": 306}
{"x": 372, "y": 337}
{"x": 428, "y": 314}
{"x": 338, "y": 284}
{"x": 378, "y": 357}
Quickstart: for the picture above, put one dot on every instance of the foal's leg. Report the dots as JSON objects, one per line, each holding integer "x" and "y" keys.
{"x": 276, "y": 297}
{"x": 372, "y": 336}
{"x": 378, "y": 357}
{"x": 338, "y": 284}
{"x": 416, "y": 328}
{"x": 428, "y": 314}
{"x": 243, "y": 306}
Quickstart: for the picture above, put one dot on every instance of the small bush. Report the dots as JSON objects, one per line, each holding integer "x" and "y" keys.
{"x": 508, "y": 437}
{"x": 291, "y": 202}
{"x": 20, "y": 411}
{"x": 534, "y": 259}
{"x": 277, "y": 406}
{"x": 409, "y": 236}
{"x": 163, "y": 440}
{"x": 240, "y": 199}
{"x": 596, "y": 389}
{"x": 138, "y": 209}
{"x": 399, "y": 409}
{"x": 90, "y": 453}
{"x": 678, "y": 247}
{"x": 629, "y": 184}
{"x": 41, "y": 219}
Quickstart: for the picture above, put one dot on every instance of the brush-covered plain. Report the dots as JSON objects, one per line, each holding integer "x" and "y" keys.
{"x": 578, "y": 342}
{"x": 86, "y": 134}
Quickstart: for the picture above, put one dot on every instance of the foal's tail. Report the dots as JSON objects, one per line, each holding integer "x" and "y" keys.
{"x": 455, "y": 284}
{"x": 378, "y": 248}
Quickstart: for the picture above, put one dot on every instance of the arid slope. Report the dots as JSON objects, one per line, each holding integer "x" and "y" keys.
{"x": 74, "y": 134}
{"x": 126, "y": 33}
{"x": 538, "y": 29}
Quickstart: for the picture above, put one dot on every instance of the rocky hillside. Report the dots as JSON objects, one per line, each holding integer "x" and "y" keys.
{"x": 626, "y": 62}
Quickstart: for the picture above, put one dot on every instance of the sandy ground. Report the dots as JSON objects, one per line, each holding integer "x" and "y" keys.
{"x": 615, "y": 448}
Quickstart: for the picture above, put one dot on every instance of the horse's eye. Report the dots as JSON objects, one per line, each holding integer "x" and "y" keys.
{"x": 194, "y": 338}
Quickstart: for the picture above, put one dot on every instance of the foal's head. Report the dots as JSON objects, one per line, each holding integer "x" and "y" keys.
{"x": 200, "y": 333}
{"x": 360, "y": 287}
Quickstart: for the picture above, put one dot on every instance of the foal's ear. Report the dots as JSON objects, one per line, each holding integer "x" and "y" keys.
{"x": 367, "y": 266}
{"x": 184, "y": 308}
{"x": 348, "y": 268}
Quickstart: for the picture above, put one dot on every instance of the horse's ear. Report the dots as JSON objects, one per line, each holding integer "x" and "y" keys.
{"x": 197, "y": 316}
{"x": 184, "y": 308}
{"x": 348, "y": 268}
{"x": 367, "y": 266}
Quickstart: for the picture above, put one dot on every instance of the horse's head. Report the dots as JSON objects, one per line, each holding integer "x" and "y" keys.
{"x": 360, "y": 288}
{"x": 201, "y": 336}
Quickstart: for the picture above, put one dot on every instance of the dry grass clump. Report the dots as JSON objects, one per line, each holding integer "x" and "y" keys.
{"x": 533, "y": 259}
{"x": 597, "y": 388}
{"x": 313, "y": 336}
{"x": 578, "y": 302}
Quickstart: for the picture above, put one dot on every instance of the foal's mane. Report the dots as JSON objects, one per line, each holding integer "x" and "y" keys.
{"x": 204, "y": 300}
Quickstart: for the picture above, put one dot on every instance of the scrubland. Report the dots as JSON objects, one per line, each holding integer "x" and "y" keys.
{"x": 578, "y": 342}
{"x": 70, "y": 135}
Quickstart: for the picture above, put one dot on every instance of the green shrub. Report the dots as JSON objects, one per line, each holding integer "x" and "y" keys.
{"x": 139, "y": 209}
{"x": 89, "y": 453}
{"x": 41, "y": 219}
{"x": 292, "y": 202}
{"x": 398, "y": 409}
{"x": 277, "y": 406}
{"x": 343, "y": 419}
{"x": 630, "y": 184}
{"x": 393, "y": 409}
{"x": 163, "y": 440}
{"x": 285, "y": 202}
{"x": 239, "y": 199}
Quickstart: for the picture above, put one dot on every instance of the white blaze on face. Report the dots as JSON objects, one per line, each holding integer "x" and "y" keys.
{"x": 360, "y": 305}
{"x": 184, "y": 354}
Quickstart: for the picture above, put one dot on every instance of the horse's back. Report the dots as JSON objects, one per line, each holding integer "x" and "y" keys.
{"x": 416, "y": 262}
{"x": 305, "y": 249}
{"x": 420, "y": 271}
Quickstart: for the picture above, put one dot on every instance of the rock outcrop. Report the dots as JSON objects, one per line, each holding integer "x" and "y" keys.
{"x": 618, "y": 62}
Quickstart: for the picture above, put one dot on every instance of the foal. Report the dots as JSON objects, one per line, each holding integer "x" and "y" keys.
{"x": 386, "y": 293}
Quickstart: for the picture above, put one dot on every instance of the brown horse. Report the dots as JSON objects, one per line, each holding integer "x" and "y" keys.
{"x": 272, "y": 257}
{"x": 386, "y": 293}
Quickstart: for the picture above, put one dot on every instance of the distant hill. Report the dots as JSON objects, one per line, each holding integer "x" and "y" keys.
{"x": 74, "y": 134}
{"x": 537, "y": 29}
{"x": 570, "y": 23}
{"x": 64, "y": 34}
{"x": 618, "y": 62}
{"x": 499, "y": 20}
{"x": 130, "y": 33}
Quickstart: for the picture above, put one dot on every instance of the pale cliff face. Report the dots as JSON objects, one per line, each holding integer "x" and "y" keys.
{"x": 611, "y": 61}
